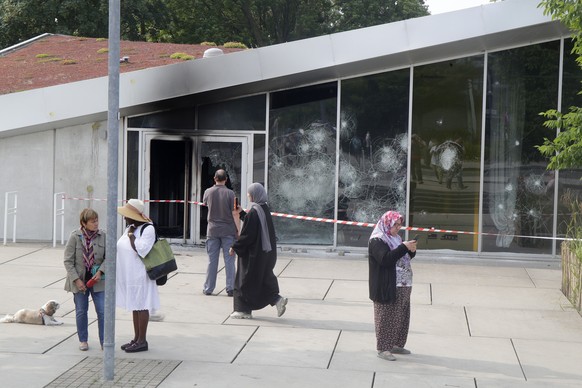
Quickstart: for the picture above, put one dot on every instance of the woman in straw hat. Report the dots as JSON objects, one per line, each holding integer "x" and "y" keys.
{"x": 135, "y": 291}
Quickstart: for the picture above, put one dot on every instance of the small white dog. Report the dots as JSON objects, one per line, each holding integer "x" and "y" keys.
{"x": 42, "y": 316}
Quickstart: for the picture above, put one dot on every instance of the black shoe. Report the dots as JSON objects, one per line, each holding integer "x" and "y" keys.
{"x": 127, "y": 345}
{"x": 137, "y": 347}
{"x": 229, "y": 293}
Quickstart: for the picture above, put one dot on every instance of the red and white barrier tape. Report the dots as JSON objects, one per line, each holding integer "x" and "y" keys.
{"x": 342, "y": 222}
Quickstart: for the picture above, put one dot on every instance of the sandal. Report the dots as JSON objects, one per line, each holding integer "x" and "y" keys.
{"x": 127, "y": 345}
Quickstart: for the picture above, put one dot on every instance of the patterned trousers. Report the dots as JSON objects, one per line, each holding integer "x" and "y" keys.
{"x": 392, "y": 321}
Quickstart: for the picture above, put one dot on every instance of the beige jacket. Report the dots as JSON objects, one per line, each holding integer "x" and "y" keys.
{"x": 74, "y": 260}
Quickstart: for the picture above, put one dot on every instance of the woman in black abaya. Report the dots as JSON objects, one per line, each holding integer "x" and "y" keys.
{"x": 255, "y": 284}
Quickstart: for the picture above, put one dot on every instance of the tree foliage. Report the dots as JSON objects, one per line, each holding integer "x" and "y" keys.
{"x": 565, "y": 150}
{"x": 24, "y": 19}
{"x": 253, "y": 22}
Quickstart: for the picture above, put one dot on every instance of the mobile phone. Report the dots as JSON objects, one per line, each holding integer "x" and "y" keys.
{"x": 235, "y": 203}
{"x": 415, "y": 238}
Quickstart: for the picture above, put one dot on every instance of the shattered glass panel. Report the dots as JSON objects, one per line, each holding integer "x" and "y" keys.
{"x": 446, "y": 152}
{"x": 518, "y": 191}
{"x": 569, "y": 183}
{"x": 301, "y": 171}
{"x": 373, "y": 151}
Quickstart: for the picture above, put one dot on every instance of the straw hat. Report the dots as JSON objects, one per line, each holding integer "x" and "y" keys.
{"x": 133, "y": 209}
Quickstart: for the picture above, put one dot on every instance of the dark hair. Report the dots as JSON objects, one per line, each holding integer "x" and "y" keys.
{"x": 87, "y": 215}
{"x": 220, "y": 175}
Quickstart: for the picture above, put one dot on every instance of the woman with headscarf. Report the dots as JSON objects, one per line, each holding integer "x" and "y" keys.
{"x": 390, "y": 284}
{"x": 134, "y": 290}
{"x": 255, "y": 284}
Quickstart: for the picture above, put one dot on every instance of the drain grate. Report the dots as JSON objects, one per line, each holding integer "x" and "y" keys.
{"x": 128, "y": 373}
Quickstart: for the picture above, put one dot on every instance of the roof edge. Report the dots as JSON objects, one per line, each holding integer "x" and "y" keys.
{"x": 22, "y": 44}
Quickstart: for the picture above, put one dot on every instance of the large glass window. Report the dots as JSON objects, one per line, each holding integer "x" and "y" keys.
{"x": 570, "y": 186}
{"x": 132, "y": 177}
{"x": 373, "y": 151}
{"x": 259, "y": 159}
{"x": 247, "y": 113}
{"x": 302, "y": 153}
{"x": 181, "y": 118}
{"x": 518, "y": 191}
{"x": 446, "y": 152}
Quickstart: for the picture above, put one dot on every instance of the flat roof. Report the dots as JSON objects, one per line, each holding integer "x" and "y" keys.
{"x": 428, "y": 39}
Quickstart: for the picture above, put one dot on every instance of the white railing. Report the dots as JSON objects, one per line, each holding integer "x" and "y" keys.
{"x": 59, "y": 212}
{"x": 10, "y": 211}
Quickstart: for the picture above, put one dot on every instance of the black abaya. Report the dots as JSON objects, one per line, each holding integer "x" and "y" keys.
{"x": 255, "y": 284}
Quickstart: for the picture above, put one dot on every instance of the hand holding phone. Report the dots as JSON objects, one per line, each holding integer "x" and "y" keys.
{"x": 415, "y": 238}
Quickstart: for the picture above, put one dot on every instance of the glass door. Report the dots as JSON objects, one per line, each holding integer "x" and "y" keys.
{"x": 179, "y": 169}
{"x": 214, "y": 153}
{"x": 168, "y": 183}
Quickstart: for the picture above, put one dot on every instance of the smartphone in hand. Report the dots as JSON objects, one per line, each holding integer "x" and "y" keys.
{"x": 415, "y": 238}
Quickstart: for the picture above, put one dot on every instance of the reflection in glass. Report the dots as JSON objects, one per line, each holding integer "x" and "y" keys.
{"x": 247, "y": 113}
{"x": 259, "y": 159}
{"x": 214, "y": 156}
{"x": 132, "y": 171}
{"x": 180, "y": 118}
{"x": 446, "y": 151}
{"x": 302, "y": 144}
{"x": 570, "y": 186}
{"x": 518, "y": 190}
{"x": 373, "y": 151}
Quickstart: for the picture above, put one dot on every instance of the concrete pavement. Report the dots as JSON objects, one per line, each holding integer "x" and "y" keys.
{"x": 475, "y": 323}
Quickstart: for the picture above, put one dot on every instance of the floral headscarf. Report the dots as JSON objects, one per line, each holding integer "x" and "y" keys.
{"x": 382, "y": 229}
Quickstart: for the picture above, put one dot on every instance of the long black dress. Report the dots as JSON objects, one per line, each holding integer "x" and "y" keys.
{"x": 255, "y": 284}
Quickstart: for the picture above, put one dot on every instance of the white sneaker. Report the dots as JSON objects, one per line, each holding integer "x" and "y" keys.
{"x": 386, "y": 355}
{"x": 241, "y": 315}
{"x": 157, "y": 317}
{"x": 281, "y": 303}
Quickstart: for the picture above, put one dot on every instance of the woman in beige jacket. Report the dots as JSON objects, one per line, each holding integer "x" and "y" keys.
{"x": 83, "y": 259}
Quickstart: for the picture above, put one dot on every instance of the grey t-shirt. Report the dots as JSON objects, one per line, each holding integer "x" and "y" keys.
{"x": 220, "y": 202}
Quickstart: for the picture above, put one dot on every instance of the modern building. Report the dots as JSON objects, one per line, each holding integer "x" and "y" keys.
{"x": 437, "y": 117}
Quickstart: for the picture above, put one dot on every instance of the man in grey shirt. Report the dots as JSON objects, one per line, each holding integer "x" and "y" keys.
{"x": 220, "y": 233}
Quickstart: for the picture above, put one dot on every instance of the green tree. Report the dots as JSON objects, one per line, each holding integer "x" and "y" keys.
{"x": 565, "y": 150}
{"x": 358, "y": 14}
{"x": 266, "y": 22}
{"x": 24, "y": 19}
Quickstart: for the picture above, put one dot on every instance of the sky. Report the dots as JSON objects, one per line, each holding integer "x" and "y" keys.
{"x": 440, "y": 6}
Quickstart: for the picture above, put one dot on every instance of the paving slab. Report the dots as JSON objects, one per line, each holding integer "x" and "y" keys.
{"x": 33, "y": 370}
{"x": 343, "y": 269}
{"x": 12, "y": 252}
{"x": 207, "y": 375}
{"x": 432, "y": 355}
{"x": 306, "y": 348}
{"x": 390, "y": 380}
{"x": 495, "y": 296}
{"x": 549, "y": 361}
{"x": 545, "y": 278}
{"x": 438, "y": 320}
{"x": 471, "y": 275}
{"x": 525, "y": 324}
